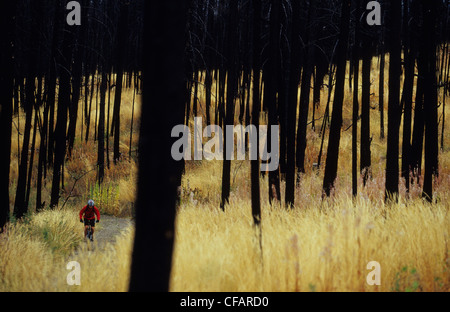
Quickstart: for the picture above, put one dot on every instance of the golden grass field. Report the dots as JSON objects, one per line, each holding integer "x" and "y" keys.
{"x": 318, "y": 246}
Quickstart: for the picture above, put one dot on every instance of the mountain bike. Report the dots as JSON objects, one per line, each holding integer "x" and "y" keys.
{"x": 89, "y": 233}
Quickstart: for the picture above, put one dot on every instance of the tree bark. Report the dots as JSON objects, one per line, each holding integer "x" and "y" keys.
{"x": 232, "y": 82}
{"x": 7, "y": 13}
{"x": 394, "y": 112}
{"x": 270, "y": 92}
{"x": 355, "y": 116}
{"x": 256, "y": 110}
{"x": 294, "y": 81}
{"x": 121, "y": 45}
{"x": 430, "y": 98}
{"x": 331, "y": 166}
{"x": 365, "y": 161}
{"x": 159, "y": 174}
{"x": 61, "y": 121}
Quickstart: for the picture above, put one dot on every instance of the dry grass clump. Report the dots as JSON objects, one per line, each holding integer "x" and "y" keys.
{"x": 35, "y": 254}
{"x": 32, "y": 249}
{"x": 320, "y": 248}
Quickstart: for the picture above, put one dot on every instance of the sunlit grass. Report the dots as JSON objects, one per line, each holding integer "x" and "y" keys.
{"x": 325, "y": 247}
{"x": 317, "y": 246}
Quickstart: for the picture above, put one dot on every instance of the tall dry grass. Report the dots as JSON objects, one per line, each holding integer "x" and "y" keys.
{"x": 35, "y": 254}
{"x": 322, "y": 247}
{"x": 318, "y": 246}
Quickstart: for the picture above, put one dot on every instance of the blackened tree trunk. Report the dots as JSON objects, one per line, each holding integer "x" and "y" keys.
{"x": 381, "y": 93}
{"x": 121, "y": 45}
{"x": 52, "y": 76}
{"x": 270, "y": 92}
{"x": 355, "y": 115}
{"x": 381, "y": 80}
{"x": 20, "y": 205}
{"x": 101, "y": 129}
{"x": 41, "y": 159}
{"x": 20, "y": 209}
{"x": 256, "y": 109}
{"x": 30, "y": 169}
{"x": 331, "y": 166}
{"x": 305, "y": 91}
{"x": 7, "y": 13}
{"x": 89, "y": 109}
{"x": 318, "y": 83}
{"x": 430, "y": 98}
{"x": 232, "y": 82}
{"x": 407, "y": 97}
{"x": 61, "y": 121}
{"x": 419, "y": 121}
{"x": 365, "y": 161}
{"x": 159, "y": 174}
{"x": 394, "y": 112}
{"x": 294, "y": 81}
{"x": 78, "y": 43}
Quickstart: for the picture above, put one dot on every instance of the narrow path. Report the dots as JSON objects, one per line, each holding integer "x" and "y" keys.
{"x": 108, "y": 229}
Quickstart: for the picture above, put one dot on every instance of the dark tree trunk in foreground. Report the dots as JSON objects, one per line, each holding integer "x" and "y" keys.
{"x": 7, "y": 12}
{"x": 162, "y": 109}
{"x": 336, "y": 119}
{"x": 394, "y": 112}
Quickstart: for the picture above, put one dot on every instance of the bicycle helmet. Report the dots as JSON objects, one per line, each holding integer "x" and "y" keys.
{"x": 91, "y": 203}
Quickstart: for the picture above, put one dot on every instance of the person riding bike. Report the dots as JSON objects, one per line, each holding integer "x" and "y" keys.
{"x": 89, "y": 212}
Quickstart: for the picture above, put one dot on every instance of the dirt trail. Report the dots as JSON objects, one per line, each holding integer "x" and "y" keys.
{"x": 108, "y": 229}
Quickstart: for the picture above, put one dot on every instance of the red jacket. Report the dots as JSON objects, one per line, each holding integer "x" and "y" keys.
{"x": 90, "y": 213}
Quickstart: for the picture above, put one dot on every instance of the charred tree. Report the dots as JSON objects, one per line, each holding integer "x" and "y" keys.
{"x": 164, "y": 82}
{"x": 7, "y": 13}
{"x": 430, "y": 97}
{"x": 232, "y": 82}
{"x": 256, "y": 110}
{"x": 121, "y": 45}
{"x": 331, "y": 166}
{"x": 270, "y": 91}
{"x": 61, "y": 121}
{"x": 394, "y": 112}
{"x": 294, "y": 81}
